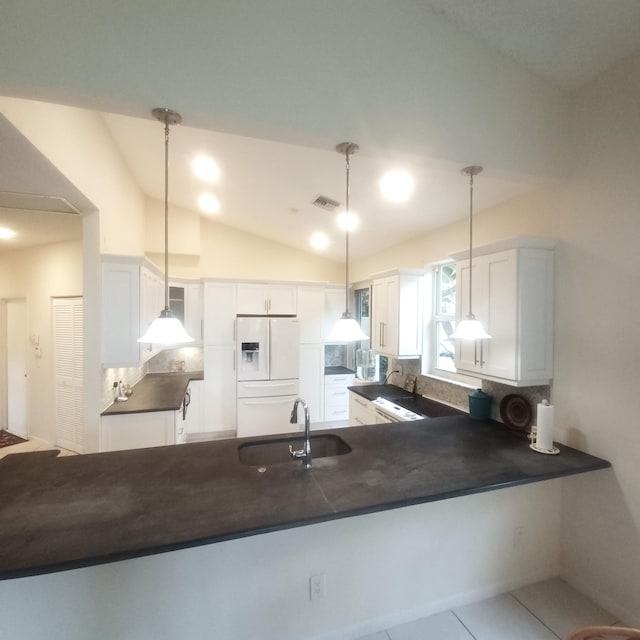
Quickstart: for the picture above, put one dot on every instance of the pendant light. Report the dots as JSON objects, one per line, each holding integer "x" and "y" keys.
{"x": 346, "y": 329}
{"x": 166, "y": 329}
{"x": 470, "y": 328}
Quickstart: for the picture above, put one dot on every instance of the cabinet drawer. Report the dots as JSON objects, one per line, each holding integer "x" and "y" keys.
{"x": 343, "y": 381}
{"x": 336, "y": 413}
{"x": 336, "y": 396}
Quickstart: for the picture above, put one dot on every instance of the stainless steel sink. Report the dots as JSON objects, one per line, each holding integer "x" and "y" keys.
{"x": 276, "y": 451}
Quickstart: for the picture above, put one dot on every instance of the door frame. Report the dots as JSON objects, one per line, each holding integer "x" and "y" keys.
{"x": 4, "y": 363}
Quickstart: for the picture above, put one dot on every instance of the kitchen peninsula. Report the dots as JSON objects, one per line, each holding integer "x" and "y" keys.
{"x": 77, "y": 511}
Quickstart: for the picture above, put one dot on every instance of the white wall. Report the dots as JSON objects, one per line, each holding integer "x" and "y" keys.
{"x": 38, "y": 274}
{"x": 380, "y": 570}
{"x": 595, "y": 216}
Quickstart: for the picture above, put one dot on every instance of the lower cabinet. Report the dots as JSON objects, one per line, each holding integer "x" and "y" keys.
{"x": 138, "y": 430}
{"x": 336, "y": 397}
{"x": 361, "y": 410}
{"x": 219, "y": 390}
{"x": 312, "y": 379}
{"x": 193, "y": 421}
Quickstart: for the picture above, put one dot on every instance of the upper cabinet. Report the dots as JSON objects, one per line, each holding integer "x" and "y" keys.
{"x": 397, "y": 304}
{"x": 120, "y": 312}
{"x": 260, "y": 299}
{"x": 513, "y": 298}
{"x": 133, "y": 295}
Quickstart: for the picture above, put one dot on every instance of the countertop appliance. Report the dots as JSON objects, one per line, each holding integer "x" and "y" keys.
{"x": 268, "y": 366}
{"x": 388, "y": 411}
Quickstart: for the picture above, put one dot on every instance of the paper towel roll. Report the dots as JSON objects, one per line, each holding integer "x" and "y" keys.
{"x": 544, "y": 433}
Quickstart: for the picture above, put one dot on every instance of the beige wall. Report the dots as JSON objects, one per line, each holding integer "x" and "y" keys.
{"x": 39, "y": 274}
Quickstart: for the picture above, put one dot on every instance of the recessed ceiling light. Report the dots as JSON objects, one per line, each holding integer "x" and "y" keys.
{"x": 348, "y": 221}
{"x": 396, "y": 186}
{"x": 319, "y": 240}
{"x": 206, "y": 169}
{"x": 209, "y": 203}
{"x": 6, "y": 234}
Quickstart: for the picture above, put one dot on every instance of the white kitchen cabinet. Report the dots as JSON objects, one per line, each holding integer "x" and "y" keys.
{"x": 120, "y": 312}
{"x": 336, "y": 397}
{"x": 397, "y": 304}
{"x": 137, "y": 430}
{"x": 219, "y": 388}
{"x": 513, "y": 298}
{"x": 152, "y": 301}
{"x": 312, "y": 378}
{"x": 185, "y": 302}
{"x": 219, "y": 313}
{"x": 311, "y": 312}
{"x": 361, "y": 410}
{"x": 258, "y": 299}
{"x": 334, "y": 306}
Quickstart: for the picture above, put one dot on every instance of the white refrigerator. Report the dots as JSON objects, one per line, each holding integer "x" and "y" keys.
{"x": 268, "y": 367}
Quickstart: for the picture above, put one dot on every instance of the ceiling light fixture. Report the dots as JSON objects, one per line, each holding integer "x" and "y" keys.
{"x": 396, "y": 186}
{"x": 209, "y": 203}
{"x": 166, "y": 329}
{"x": 6, "y": 234}
{"x": 470, "y": 328}
{"x": 319, "y": 241}
{"x": 206, "y": 169}
{"x": 346, "y": 329}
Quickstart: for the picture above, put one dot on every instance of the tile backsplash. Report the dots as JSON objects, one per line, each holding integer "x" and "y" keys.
{"x": 457, "y": 395}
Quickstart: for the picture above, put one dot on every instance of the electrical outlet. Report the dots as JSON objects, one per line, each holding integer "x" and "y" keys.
{"x": 399, "y": 368}
{"x": 316, "y": 586}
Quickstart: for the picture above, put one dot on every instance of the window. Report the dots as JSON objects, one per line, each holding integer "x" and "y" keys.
{"x": 444, "y": 313}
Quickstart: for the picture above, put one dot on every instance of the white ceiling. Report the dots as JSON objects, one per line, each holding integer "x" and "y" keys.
{"x": 567, "y": 42}
{"x": 267, "y": 187}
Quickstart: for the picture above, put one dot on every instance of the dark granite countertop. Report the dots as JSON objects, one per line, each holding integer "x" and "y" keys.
{"x": 74, "y": 511}
{"x": 338, "y": 371}
{"x": 156, "y": 392}
{"x": 406, "y": 399}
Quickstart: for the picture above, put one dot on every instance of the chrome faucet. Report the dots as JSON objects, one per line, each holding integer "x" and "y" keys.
{"x": 305, "y": 452}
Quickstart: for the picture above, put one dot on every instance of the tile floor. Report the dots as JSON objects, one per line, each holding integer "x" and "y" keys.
{"x": 32, "y": 445}
{"x": 543, "y": 611}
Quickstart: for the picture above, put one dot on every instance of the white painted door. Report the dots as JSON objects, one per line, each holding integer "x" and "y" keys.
{"x": 17, "y": 349}
{"x": 67, "y": 365}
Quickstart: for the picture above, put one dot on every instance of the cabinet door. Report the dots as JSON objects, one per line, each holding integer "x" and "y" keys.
{"x": 219, "y": 388}
{"x": 120, "y": 314}
{"x": 137, "y": 430}
{"x": 219, "y": 312}
{"x": 193, "y": 321}
{"x": 311, "y": 313}
{"x": 312, "y": 379}
{"x": 281, "y": 299}
{"x": 252, "y": 299}
{"x": 151, "y": 304}
{"x": 334, "y": 303}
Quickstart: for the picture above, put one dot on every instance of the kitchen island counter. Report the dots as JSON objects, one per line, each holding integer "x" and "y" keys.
{"x": 156, "y": 392}
{"x": 75, "y": 511}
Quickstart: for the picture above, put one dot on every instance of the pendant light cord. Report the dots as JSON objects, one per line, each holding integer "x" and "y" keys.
{"x": 166, "y": 214}
{"x": 346, "y": 270}
{"x": 470, "y": 241}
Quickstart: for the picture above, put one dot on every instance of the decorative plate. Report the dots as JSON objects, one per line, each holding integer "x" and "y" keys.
{"x": 516, "y": 412}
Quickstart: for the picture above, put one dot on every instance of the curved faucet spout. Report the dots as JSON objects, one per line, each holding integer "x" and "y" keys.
{"x": 305, "y": 452}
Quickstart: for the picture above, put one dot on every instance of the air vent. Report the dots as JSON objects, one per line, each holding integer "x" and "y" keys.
{"x": 35, "y": 202}
{"x": 328, "y": 204}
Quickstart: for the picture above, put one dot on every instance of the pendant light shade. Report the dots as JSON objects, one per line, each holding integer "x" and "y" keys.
{"x": 470, "y": 328}
{"x": 166, "y": 329}
{"x": 346, "y": 329}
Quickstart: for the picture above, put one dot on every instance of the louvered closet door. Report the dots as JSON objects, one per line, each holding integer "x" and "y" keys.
{"x": 67, "y": 328}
